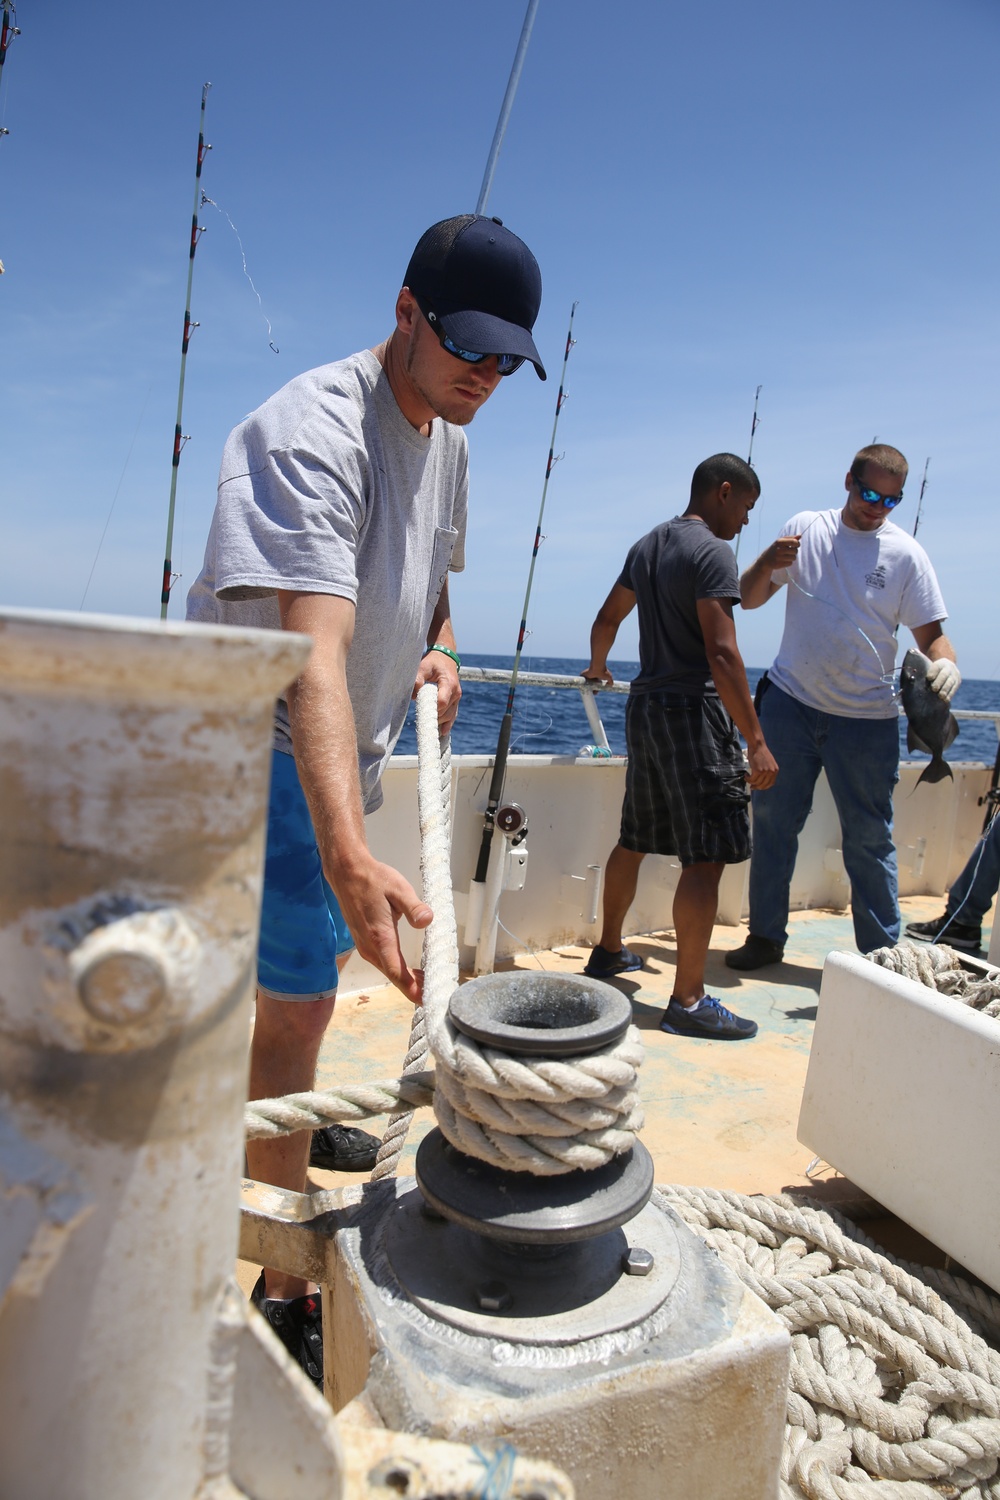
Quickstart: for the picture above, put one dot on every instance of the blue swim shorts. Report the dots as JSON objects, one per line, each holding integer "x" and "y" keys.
{"x": 302, "y": 928}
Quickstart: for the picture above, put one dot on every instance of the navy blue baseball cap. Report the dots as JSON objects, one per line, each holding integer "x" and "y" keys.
{"x": 483, "y": 283}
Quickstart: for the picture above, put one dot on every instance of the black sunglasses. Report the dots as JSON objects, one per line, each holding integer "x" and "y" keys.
{"x": 506, "y": 363}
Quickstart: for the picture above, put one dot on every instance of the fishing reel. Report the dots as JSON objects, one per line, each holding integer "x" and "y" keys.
{"x": 512, "y": 821}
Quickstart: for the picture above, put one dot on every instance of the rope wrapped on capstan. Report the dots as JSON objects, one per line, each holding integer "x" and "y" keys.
{"x": 545, "y": 1115}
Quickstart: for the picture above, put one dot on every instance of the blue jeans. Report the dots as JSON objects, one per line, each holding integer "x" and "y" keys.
{"x": 861, "y": 761}
{"x": 971, "y": 897}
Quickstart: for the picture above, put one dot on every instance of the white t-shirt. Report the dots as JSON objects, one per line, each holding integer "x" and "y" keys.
{"x": 847, "y": 592}
{"x": 328, "y": 489}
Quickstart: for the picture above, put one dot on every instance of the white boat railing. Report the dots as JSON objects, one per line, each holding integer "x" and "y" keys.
{"x": 500, "y": 677}
{"x": 587, "y": 690}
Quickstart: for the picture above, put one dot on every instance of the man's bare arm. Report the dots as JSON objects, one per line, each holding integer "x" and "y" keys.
{"x": 373, "y": 895}
{"x": 619, "y": 603}
{"x": 757, "y": 585}
{"x": 715, "y": 616}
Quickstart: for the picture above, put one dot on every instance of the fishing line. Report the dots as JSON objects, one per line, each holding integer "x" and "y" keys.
{"x": 979, "y": 859}
{"x": 114, "y": 498}
{"x": 206, "y": 199}
{"x": 523, "y": 947}
{"x": 526, "y": 734}
{"x": 886, "y": 678}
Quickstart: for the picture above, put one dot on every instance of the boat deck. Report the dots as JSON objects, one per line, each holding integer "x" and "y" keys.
{"x": 718, "y": 1114}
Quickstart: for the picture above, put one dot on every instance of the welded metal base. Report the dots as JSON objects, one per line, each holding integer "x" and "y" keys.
{"x": 668, "y": 1386}
{"x": 535, "y": 1293}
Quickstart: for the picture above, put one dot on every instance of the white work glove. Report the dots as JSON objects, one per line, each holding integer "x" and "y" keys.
{"x": 944, "y": 678}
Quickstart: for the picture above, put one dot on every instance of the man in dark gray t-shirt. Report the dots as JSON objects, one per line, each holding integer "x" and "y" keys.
{"x": 685, "y": 788}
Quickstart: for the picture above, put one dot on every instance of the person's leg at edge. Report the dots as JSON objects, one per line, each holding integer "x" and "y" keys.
{"x": 861, "y": 760}
{"x": 621, "y": 878}
{"x": 297, "y": 955}
{"x": 283, "y": 1055}
{"x": 779, "y": 814}
{"x": 696, "y": 905}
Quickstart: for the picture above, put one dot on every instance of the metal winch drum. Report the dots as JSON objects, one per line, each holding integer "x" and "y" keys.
{"x": 573, "y": 1315}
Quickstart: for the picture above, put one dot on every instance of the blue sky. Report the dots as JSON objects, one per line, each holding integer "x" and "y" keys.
{"x": 797, "y": 196}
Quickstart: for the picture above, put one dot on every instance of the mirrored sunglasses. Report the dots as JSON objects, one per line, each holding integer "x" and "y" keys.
{"x": 872, "y": 497}
{"x": 506, "y": 363}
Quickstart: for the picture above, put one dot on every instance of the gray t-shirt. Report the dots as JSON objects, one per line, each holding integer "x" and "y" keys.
{"x": 669, "y": 570}
{"x": 328, "y": 489}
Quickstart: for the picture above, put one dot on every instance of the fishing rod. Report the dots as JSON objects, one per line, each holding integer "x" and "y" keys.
{"x": 503, "y": 742}
{"x": 753, "y": 428}
{"x": 8, "y": 31}
{"x": 196, "y": 233}
{"x": 755, "y": 423}
{"x": 920, "y": 501}
{"x": 507, "y": 105}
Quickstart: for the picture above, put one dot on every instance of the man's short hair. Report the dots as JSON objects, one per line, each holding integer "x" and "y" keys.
{"x": 712, "y": 472}
{"x": 883, "y": 457}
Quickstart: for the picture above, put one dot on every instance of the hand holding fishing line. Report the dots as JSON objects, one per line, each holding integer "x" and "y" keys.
{"x": 782, "y": 553}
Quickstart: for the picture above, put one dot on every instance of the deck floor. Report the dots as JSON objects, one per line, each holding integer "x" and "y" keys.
{"x": 718, "y": 1114}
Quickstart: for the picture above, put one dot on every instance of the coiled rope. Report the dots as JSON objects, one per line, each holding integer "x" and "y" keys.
{"x": 894, "y": 1392}
{"x": 940, "y": 968}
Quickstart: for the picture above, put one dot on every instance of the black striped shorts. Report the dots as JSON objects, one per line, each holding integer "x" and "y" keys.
{"x": 685, "y": 786}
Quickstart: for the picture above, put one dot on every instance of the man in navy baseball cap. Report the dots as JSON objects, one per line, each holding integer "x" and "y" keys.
{"x": 479, "y": 287}
{"x": 341, "y": 514}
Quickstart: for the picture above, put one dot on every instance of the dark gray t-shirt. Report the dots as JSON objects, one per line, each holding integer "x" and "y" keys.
{"x": 669, "y": 570}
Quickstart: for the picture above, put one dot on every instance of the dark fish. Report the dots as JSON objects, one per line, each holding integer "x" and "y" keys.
{"x": 931, "y": 725}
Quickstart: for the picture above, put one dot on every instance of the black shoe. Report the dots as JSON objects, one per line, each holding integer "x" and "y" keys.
{"x": 601, "y": 964}
{"x": 755, "y": 953}
{"x": 298, "y": 1324}
{"x": 966, "y": 938}
{"x": 338, "y": 1148}
{"x": 711, "y": 1020}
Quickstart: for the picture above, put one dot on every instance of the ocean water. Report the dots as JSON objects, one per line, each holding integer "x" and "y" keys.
{"x": 552, "y": 721}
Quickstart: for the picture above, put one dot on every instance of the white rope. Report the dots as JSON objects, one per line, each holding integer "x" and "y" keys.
{"x": 266, "y": 1119}
{"x": 940, "y": 968}
{"x": 538, "y": 1115}
{"x": 893, "y": 1394}
{"x": 440, "y": 949}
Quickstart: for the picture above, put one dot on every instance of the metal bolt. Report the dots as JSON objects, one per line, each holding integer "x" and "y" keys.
{"x": 493, "y": 1296}
{"x": 121, "y": 987}
{"x": 637, "y": 1262}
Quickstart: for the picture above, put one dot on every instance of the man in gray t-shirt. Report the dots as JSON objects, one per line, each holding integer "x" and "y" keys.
{"x": 341, "y": 510}
{"x": 685, "y": 787}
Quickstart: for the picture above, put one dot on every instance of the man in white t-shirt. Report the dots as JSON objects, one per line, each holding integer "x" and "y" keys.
{"x": 341, "y": 509}
{"x": 828, "y": 701}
